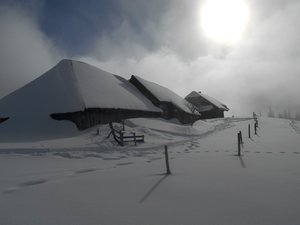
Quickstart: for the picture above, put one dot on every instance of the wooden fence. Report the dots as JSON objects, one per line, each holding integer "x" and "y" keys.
{"x": 121, "y": 137}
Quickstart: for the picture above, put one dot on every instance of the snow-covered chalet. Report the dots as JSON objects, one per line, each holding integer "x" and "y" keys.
{"x": 80, "y": 93}
{"x": 206, "y": 105}
{"x": 172, "y": 105}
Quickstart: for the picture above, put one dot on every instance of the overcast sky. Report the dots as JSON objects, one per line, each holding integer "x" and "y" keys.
{"x": 162, "y": 41}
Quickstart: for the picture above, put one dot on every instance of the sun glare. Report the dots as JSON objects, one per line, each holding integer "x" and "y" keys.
{"x": 224, "y": 20}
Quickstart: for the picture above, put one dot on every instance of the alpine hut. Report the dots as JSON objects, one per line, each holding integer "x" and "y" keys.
{"x": 206, "y": 105}
{"x": 172, "y": 105}
{"x": 80, "y": 93}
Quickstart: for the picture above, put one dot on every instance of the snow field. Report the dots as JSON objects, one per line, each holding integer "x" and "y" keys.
{"x": 209, "y": 184}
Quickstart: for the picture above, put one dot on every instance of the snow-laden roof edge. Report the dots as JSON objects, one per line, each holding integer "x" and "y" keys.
{"x": 164, "y": 94}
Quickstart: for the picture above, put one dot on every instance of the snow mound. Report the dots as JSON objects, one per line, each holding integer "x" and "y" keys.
{"x": 172, "y": 126}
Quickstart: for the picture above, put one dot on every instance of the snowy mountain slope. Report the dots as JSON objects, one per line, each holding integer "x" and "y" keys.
{"x": 209, "y": 184}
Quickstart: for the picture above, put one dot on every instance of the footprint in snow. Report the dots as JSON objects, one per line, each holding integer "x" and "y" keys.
{"x": 25, "y": 184}
{"x": 85, "y": 171}
{"x": 124, "y": 164}
{"x": 156, "y": 158}
{"x": 33, "y": 182}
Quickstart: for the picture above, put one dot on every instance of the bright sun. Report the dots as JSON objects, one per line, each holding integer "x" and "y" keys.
{"x": 224, "y": 20}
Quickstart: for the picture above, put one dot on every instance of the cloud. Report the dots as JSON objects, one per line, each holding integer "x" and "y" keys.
{"x": 26, "y": 52}
{"x": 261, "y": 70}
{"x": 162, "y": 41}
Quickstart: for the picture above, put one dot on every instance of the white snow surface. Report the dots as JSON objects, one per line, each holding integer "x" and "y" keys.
{"x": 165, "y": 94}
{"x": 212, "y": 100}
{"x": 209, "y": 183}
{"x": 73, "y": 86}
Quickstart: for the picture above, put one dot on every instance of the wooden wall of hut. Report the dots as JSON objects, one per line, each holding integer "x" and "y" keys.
{"x": 171, "y": 111}
{"x": 93, "y": 116}
{"x": 213, "y": 113}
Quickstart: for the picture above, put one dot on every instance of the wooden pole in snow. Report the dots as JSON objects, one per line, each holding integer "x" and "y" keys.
{"x": 239, "y": 143}
{"x": 241, "y": 137}
{"x": 255, "y": 128}
{"x": 167, "y": 160}
{"x": 121, "y": 138}
{"x": 134, "y": 137}
{"x": 249, "y": 134}
{"x": 123, "y": 125}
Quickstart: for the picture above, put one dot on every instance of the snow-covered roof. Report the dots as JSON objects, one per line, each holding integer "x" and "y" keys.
{"x": 164, "y": 94}
{"x": 73, "y": 86}
{"x": 212, "y": 100}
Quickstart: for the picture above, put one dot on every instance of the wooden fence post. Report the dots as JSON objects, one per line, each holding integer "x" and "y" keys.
{"x": 123, "y": 125}
{"x": 134, "y": 137}
{"x": 167, "y": 160}
{"x": 249, "y": 134}
{"x": 241, "y": 137}
{"x": 122, "y": 139}
{"x": 239, "y": 143}
{"x": 255, "y": 129}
